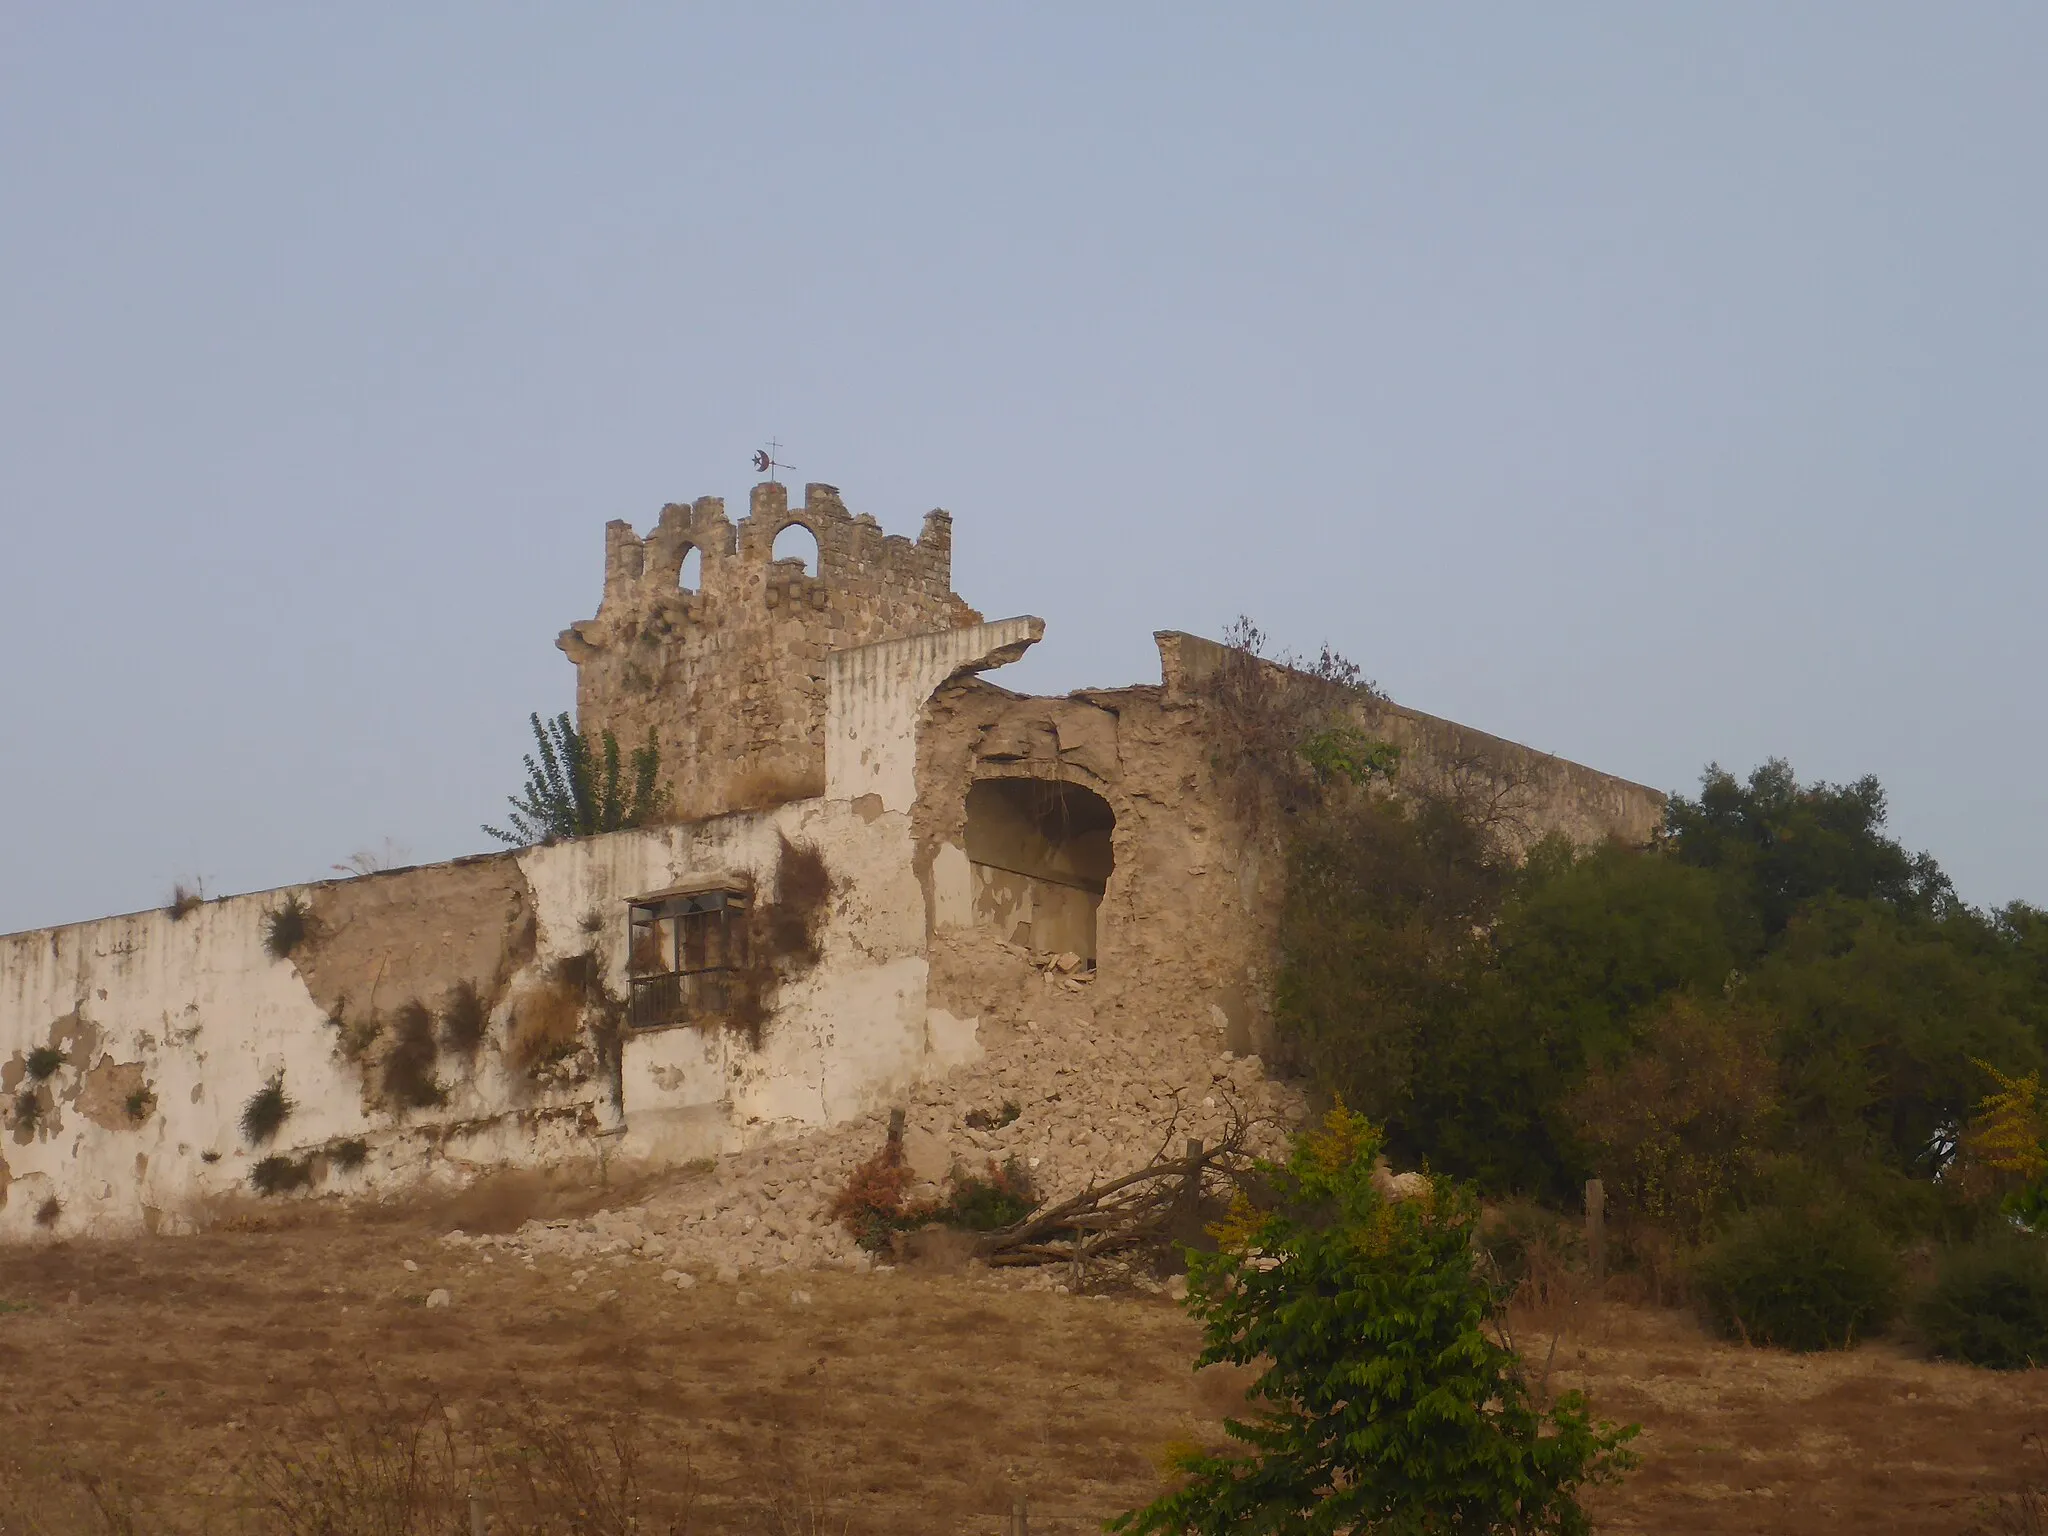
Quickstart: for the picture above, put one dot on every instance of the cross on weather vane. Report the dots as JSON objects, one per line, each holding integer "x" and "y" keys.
{"x": 765, "y": 462}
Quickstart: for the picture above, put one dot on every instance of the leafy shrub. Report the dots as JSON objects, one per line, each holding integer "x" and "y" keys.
{"x": 871, "y": 1202}
{"x": 1988, "y": 1304}
{"x": 348, "y": 1154}
{"x": 577, "y": 787}
{"x": 465, "y": 1021}
{"x": 408, "y": 1072}
{"x": 285, "y": 929}
{"x": 267, "y": 1110}
{"x": 1677, "y": 1127}
{"x": 43, "y": 1063}
{"x": 988, "y": 1203}
{"x": 279, "y": 1175}
{"x": 1799, "y": 1278}
{"x": 1384, "y": 1399}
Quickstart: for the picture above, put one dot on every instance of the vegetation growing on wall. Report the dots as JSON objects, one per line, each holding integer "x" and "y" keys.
{"x": 577, "y": 786}
{"x": 42, "y": 1063}
{"x": 785, "y": 937}
{"x": 407, "y": 1075}
{"x": 266, "y": 1112}
{"x": 286, "y": 928}
{"x": 185, "y": 900}
{"x": 280, "y": 1175}
{"x": 1280, "y": 728}
{"x": 465, "y": 1020}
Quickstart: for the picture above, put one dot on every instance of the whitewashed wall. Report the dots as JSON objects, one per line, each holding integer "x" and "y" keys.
{"x": 197, "y": 1012}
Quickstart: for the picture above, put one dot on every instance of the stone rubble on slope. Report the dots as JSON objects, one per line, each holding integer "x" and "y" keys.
{"x": 1088, "y": 1107}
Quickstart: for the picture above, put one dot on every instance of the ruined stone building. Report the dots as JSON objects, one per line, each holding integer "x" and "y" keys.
{"x": 878, "y": 857}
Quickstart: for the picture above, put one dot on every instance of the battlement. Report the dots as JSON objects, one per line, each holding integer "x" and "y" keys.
{"x": 719, "y": 646}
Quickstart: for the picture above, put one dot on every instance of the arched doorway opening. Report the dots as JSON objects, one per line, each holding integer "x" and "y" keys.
{"x": 1039, "y": 851}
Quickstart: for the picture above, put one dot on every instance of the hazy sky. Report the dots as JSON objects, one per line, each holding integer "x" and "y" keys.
{"x": 1650, "y": 384}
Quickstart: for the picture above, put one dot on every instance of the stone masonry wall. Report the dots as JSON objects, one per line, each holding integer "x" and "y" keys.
{"x": 1186, "y": 926}
{"x": 731, "y": 674}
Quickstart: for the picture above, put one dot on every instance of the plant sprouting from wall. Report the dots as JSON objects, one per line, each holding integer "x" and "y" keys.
{"x": 266, "y": 1112}
{"x": 285, "y": 928}
{"x": 185, "y": 899}
{"x": 1280, "y": 726}
{"x": 408, "y": 1074}
{"x": 28, "y": 1109}
{"x": 465, "y": 1020}
{"x": 349, "y": 1153}
{"x": 278, "y": 1174}
{"x": 578, "y": 785}
{"x": 140, "y": 1104}
{"x": 43, "y": 1063}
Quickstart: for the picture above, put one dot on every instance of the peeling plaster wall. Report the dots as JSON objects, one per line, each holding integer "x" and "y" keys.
{"x": 198, "y": 1016}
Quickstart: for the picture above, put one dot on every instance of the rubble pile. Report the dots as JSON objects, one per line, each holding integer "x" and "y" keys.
{"x": 1071, "y": 1106}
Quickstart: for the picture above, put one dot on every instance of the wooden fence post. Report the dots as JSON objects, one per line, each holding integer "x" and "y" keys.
{"x": 1596, "y": 1230}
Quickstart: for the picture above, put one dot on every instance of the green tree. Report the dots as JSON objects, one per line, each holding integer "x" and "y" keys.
{"x": 1793, "y": 842}
{"x": 1583, "y": 945}
{"x": 1386, "y": 899}
{"x": 1386, "y": 1402}
{"x": 579, "y": 786}
{"x": 1883, "y": 1018}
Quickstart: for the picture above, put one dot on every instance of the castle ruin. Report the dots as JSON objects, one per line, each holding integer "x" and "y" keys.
{"x": 882, "y": 868}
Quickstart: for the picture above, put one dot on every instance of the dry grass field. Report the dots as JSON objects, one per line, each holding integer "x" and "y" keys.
{"x": 905, "y": 1402}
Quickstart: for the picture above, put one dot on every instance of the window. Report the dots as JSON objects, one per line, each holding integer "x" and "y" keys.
{"x": 688, "y": 951}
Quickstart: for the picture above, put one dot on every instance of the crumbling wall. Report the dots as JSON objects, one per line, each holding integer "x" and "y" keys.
{"x": 167, "y": 1027}
{"x": 1528, "y": 793}
{"x": 1186, "y": 924}
{"x": 731, "y": 675}
{"x": 394, "y": 1019}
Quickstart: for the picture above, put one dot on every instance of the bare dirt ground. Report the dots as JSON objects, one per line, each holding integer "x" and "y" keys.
{"x": 902, "y": 1402}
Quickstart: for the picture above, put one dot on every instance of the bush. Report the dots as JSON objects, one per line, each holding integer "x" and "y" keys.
{"x": 1385, "y": 1400}
{"x": 408, "y": 1074}
{"x": 1799, "y": 1278}
{"x": 1001, "y": 1198}
{"x": 871, "y": 1202}
{"x": 348, "y": 1154}
{"x": 43, "y": 1063}
{"x": 285, "y": 929}
{"x": 465, "y": 1021}
{"x": 278, "y": 1174}
{"x": 266, "y": 1112}
{"x": 1988, "y": 1304}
